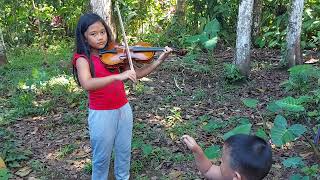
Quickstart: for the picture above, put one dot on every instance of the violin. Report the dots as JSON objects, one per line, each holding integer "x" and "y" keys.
{"x": 115, "y": 55}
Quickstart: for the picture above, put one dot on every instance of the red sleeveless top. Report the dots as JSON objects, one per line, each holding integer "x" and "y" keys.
{"x": 112, "y": 96}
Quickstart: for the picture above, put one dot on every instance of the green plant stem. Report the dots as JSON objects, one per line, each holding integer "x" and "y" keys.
{"x": 263, "y": 120}
{"x": 313, "y": 146}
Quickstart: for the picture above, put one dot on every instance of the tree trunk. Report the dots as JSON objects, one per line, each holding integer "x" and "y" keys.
{"x": 104, "y": 9}
{"x": 293, "y": 50}
{"x": 3, "y": 57}
{"x": 180, "y": 12}
{"x": 256, "y": 24}
{"x": 243, "y": 43}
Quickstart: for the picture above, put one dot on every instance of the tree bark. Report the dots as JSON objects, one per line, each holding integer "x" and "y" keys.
{"x": 180, "y": 12}
{"x": 256, "y": 24}
{"x": 104, "y": 9}
{"x": 293, "y": 50}
{"x": 3, "y": 57}
{"x": 243, "y": 43}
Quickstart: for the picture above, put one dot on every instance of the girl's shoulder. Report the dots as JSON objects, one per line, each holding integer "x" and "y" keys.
{"x": 76, "y": 56}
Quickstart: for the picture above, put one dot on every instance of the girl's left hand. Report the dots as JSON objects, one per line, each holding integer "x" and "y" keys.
{"x": 165, "y": 53}
{"x": 167, "y": 50}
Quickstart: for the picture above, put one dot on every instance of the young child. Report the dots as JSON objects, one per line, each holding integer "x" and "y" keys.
{"x": 110, "y": 116}
{"x": 244, "y": 157}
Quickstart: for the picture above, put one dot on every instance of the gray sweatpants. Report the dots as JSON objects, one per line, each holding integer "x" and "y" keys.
{"x": 108, "y": 129}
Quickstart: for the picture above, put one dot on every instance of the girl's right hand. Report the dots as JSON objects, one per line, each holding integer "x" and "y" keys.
{"x": 129, "y": 74}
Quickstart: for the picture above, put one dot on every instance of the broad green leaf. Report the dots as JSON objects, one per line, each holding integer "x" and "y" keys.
{"x": 293, "y": 162}
{"x": 311, "y": 171}
{"x": 251, "y": 103}
{"x": 212, "y": 28}
{"x": 197, "y": 38}
{"x": 211, "y": 43}
{"x": 280, "y": 121}
{"x": 261, "y": 133}
{"x": 242, "y": 129}
{"x": 277, "y": 134}
{"x": 213, "y": 152}
{"x": 298, "y": 129}
{"x": 298, "y": 177}
{"x": 304, "y": 99}
{"x": 281, "y": 135}
{"x": 4, "y": 174}
{"x": 136, "y": 143}
{"x": 313, "y": 113}
{"x": 212, "y": 125}
{"x": 147, "y": 149}
{"x": 243, "y": 120}
{"x": 273, "y": 107}
{"x": 290, "y": 104}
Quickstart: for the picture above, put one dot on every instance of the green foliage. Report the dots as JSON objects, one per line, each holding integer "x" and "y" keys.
{"x": 293, "y": 162}
{"x": 209, "y": 37}
{"x": 13, "y": 155}
{"x": 274, "y": 24}
{"x": 250, "y": 103}
{"x": 298, "y": 177}
{"x": 291, "y": 104}
{"x": 213, "y": 152}
{"x": 303, "y": 78}
{"x": 4, "y": 174}
{"x": 175, "y": 117}
{"x": 297, "y": 162}
{"x": 37, "y": 165}
{"x": 232, "y": 73}
{"x": 313, "y": 171}
{"x": 281, "y": 134}
{"x": 66, "y": 150}
{"x": 39, "y": 22}
{"x": 242, "y": 129}
{"x": 262, "y": 134}
{"x": 88, "y": 167}
{"x": 212, "y": 126}
{"x": 147, "y": 149}
{"x": 199, "y": 95}
{"x": 71, "y": 118}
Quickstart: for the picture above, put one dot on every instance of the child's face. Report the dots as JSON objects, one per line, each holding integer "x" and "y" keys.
{"x": 96, "y": 35}
{"x": 226, "y": 171}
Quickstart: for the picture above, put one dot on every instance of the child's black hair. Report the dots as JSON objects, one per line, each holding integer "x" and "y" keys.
{"x": 250, "y": 155}
{"x": 82, "y": 46}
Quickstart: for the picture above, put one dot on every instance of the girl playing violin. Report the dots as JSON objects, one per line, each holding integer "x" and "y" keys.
{"x": 110, "y": 116}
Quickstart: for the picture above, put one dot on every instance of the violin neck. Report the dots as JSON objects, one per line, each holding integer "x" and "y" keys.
{"x": 146, "y": 49}
{"x": 104, "y": 51}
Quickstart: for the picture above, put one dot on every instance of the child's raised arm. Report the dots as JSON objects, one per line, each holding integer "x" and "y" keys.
{"x": 204, "y": 165}
{"x": 147, "y": 69}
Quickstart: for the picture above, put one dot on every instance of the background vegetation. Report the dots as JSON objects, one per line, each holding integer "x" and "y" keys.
{"x": 201, "y": 97}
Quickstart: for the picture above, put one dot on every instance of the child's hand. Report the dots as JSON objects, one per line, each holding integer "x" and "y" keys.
{"x": 129, "y": 74}
{"x": 191, "y": 143}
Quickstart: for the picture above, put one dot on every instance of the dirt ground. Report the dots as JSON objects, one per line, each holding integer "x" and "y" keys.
{"x": 45, "y": 135}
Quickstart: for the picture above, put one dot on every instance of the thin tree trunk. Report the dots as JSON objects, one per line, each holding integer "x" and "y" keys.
{"x": 181, "y": 11}
{"x": 293, "y": 50}
{"x": 256, "y": 24}
{"x": 243, "y": 43}
{"x": 3, "y": 57}
{"x": 104, "y": 9}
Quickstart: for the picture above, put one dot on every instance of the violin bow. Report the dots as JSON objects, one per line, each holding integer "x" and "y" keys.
{"x": 124, "y": 38}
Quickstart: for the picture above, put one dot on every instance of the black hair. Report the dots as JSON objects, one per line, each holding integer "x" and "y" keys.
{"x": 250, "y": 155}
{"x": 82, "y": 46}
